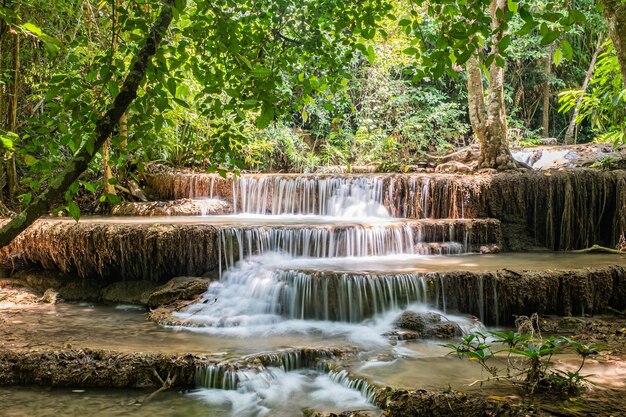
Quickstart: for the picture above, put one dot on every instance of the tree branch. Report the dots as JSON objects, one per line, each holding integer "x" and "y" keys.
{"x": 104, "y": 128}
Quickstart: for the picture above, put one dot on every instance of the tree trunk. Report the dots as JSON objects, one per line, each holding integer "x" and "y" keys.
{"x": 545, "y": 113}
{"x": 3, "y": 117}
{"x": 124, "y": 131}
{"x": 569, "y": 134}
{"x": 476, "y": 98}
{"x": 488, "y": 118}
{"x": 615, "y": 15}
{"x": 104, "y": 127}
{"x": 15, "y": 78}
{"x": 109, "y": 188}
{"x": 2, "y": 94}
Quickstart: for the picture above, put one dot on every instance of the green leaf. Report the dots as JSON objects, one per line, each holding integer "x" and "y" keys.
{"x": 557, "y": 57}
{"x": 513, "y": 6}
{"x": 568, "y": 52}
{"x": 578, "y": 16}
{"x": 527, "y": 27}
{"x": 32, "y": 28}
{"x": 266, "y": 117}
{"x": 525, "y": 14}
{"x": 504, "y": 43}
{"x": 30, "y": 160}
{"x": 171, "y": 85}
{"x": 371, "y": 55}
{"x": 260, "y": 72}
{"x": 73, "y": 210}
{"x": 550, "y": 37}
{"x": 404, "y": 22}
{"x": 114, "y": 88}
{"x": 158, "y": 123}
{"x": 181, "y": 103}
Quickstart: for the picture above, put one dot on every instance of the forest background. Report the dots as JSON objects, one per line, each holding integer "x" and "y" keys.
{"x": 292, "y": 86}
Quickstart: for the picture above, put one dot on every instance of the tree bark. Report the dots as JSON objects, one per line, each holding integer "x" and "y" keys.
{"x": 3, "y": 117}
{"x": 569, "y": 134}
{"x": 108, "y": 173}
{"x": 124, "y": 131}
{"x": 104, "y": 127}
{"x": 15, "y": 78}
{"x": 488, "y": 118}
{"x": 545, "y": 112}
{"x": 476, "y": 98}
{"x": 615, "y": 15}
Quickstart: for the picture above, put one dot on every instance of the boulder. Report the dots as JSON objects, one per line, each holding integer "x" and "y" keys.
{"x": 42, "y": 280}
{"x": 87, "y": 290}
{"x": 425, "y": 325}
{"x": 179, "y": 288}
{"x": 51, "y": 296}
{"x": 131, "y": 292}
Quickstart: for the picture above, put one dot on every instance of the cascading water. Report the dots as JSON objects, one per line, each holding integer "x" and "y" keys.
{"x": 352, "y": 197}
{"x": 269, "y": 283}
{"x": 303, "y": 268}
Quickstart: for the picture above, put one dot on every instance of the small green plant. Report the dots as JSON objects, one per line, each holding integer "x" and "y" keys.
{"x": 528, "y": 358}
{"x": 607, "y": 162}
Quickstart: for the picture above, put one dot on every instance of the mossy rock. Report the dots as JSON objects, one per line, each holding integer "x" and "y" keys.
{"x": 131, "y": 292}
{"x": 179, "y": 288}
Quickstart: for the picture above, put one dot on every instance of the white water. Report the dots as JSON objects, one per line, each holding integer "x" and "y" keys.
{"x": 345, "y": 197}
{"x": 544, "y": 158}
{"x": 274, "y": 284}
{"x": 284, "y": 393}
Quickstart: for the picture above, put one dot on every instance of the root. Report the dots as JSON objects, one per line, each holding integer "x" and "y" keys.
{"x": 167, "y": 384}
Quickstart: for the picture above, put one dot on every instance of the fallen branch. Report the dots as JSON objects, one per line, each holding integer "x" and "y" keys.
{"x": 616, "y": 311}
{"x": 167, "y": 384}
{"x": 600, "y": 249}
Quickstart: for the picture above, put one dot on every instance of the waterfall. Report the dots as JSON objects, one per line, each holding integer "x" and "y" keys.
{"x": 256, "y": 292}
{"x": 358, "y": 384}
{"x": 357, "y": 197}
{"x": 320, "y": 262}
{"x": 252, "y": 387}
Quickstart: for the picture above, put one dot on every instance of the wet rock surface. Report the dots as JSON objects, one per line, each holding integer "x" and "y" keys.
{"x": 426, "y": 325}
{"x": 181, "y": 207}
{"x": 96, "y": 368}
{"x": 178, "y": 289}
{"x": 116, "y": 252}
{"x": 14, "y": 292}
{"x": 130, "y": 292}
{"x": 542, "y": 208}
{"x": 412, "y": 403}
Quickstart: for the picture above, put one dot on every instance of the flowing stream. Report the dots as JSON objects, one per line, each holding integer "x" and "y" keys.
{"x": 307, "y": 261}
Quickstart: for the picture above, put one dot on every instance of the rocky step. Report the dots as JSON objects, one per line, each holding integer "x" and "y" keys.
{"x": 497, "y": 297}
{"x": 158, "y": 249}
{"x": 542, "y": 208}
{"x": 81, "y": 368}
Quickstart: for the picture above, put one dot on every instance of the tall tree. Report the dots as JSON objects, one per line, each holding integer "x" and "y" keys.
{"x": 615, "y": 15}
{"x": 104, "y": 128}
{"x": 477, "y": 34}
{"x": 571, "y": 127}
{"x": 488, "y": 114}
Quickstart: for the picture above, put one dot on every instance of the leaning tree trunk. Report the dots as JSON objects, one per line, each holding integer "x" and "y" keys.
{"x": 569, "y": 133}
{"x": 488, "y": 118}
{"x": 615, "y": 15}
{"x": 104, "y": 127}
